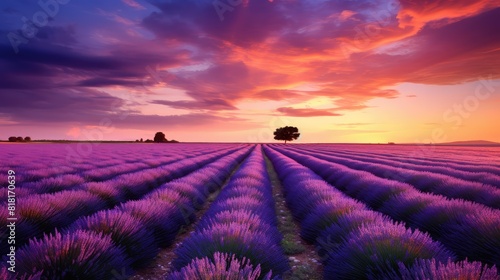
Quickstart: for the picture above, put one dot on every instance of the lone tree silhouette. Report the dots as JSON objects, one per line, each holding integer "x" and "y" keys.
{"x": 160, "y": 137}
{"x": 287, "y": 133}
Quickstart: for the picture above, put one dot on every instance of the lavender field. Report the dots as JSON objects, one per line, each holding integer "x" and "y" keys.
{"x": 249, "y": 211}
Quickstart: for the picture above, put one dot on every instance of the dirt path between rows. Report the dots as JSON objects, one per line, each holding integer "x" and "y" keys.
{"x": 303, "y": 258}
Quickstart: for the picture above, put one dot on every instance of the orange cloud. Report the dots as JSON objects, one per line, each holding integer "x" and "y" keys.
{"x": 419, "y": 13}
{"x": 308, "y": 112}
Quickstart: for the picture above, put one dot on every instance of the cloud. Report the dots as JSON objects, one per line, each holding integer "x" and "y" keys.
{"x": 63, "y": 105}
{"x": 58, "y": 35}
{"x": 100, "y": 82}
{"x": 53, "y": 60}
{"x": 455, "y": 55}
{"x": 293, "y": 112}
{"x": 242, "y": 26}
{"x": 89, "y": 107}
{"x": 279, "y": 94}
{"x": 209, "y": 104}
{"x": 346, "y": 14}
{"x": 192, "y": 121}
{"x": 418, "y": 13}
{"x": 133, "y": 4}
{"x": 117, "y": 18}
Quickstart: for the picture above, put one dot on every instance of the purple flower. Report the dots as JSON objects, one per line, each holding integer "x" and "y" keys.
{"x": 375, "y": 248}
{"x": 242, "y": 240}
{"x": 126, "y": 231}
{"x": 220, "y": 266}
{"x": 79, "y": 255}
{"x": 164, "y": 219}
{"x": 424, "y": 269}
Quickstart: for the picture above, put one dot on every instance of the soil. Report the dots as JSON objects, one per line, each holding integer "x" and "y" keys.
{"x": 308, "y": 261}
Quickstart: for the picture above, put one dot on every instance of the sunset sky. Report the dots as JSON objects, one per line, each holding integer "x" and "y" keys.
{"x": 233, "y": 71}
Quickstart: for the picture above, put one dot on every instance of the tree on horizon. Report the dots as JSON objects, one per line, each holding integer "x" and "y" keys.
{"x": 19, "y": 139}
{"x": 160, "y": 137}
{"x": 287, "y": 133}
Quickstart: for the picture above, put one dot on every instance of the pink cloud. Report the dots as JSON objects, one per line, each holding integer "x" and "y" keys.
{"x": 309, "y": 112}
{"x": 134, "y": 4}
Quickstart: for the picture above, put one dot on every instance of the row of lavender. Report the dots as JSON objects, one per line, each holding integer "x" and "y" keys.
{"x": 358, "y": 243}
{"x": 76, "y": 180}
{"x": 37, "y": 161}
{"x": 432, "y": 157}
{"x": 42, "y": 213}
{"x": 472, "y": 155}
{"x": 75, "y": 176}
{"x": 116, "y": 241}
{"x": 474, "y": 173}
{"x": 35, "y": 157}
{"x": 237, "y": 238}
{"x": 469, "y": 229}
{"x": 425, "y": 181}
{"x": 116, "y": 171}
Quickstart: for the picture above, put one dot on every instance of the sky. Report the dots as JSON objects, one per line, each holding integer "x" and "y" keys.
{"x": 235, "y": 70}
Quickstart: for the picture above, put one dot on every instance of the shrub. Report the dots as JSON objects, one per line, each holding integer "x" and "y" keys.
{"x": 79, "y": 255}
{"x": 324, "y": 215}
{"x": 126, "y": 231}
{"x": 112, "y": 196}
{"x": 221, "y": 266}
{"x": 163, "y": 218}
{"x": 42, "y": 216}
{"x": 375, "y": 248}
{"x": 424, "y": 269}
{"x": 254, "y": 244}
{"x": 476, "y": 236}
{"x": 7, "y": 275}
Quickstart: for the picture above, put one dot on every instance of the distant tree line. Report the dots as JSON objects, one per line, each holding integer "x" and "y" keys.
{"x": 19, "y": 139}
{"x": 159, "y": 138}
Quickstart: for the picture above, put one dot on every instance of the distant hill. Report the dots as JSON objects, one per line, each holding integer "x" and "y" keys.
{"x": 471, "y": 143}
